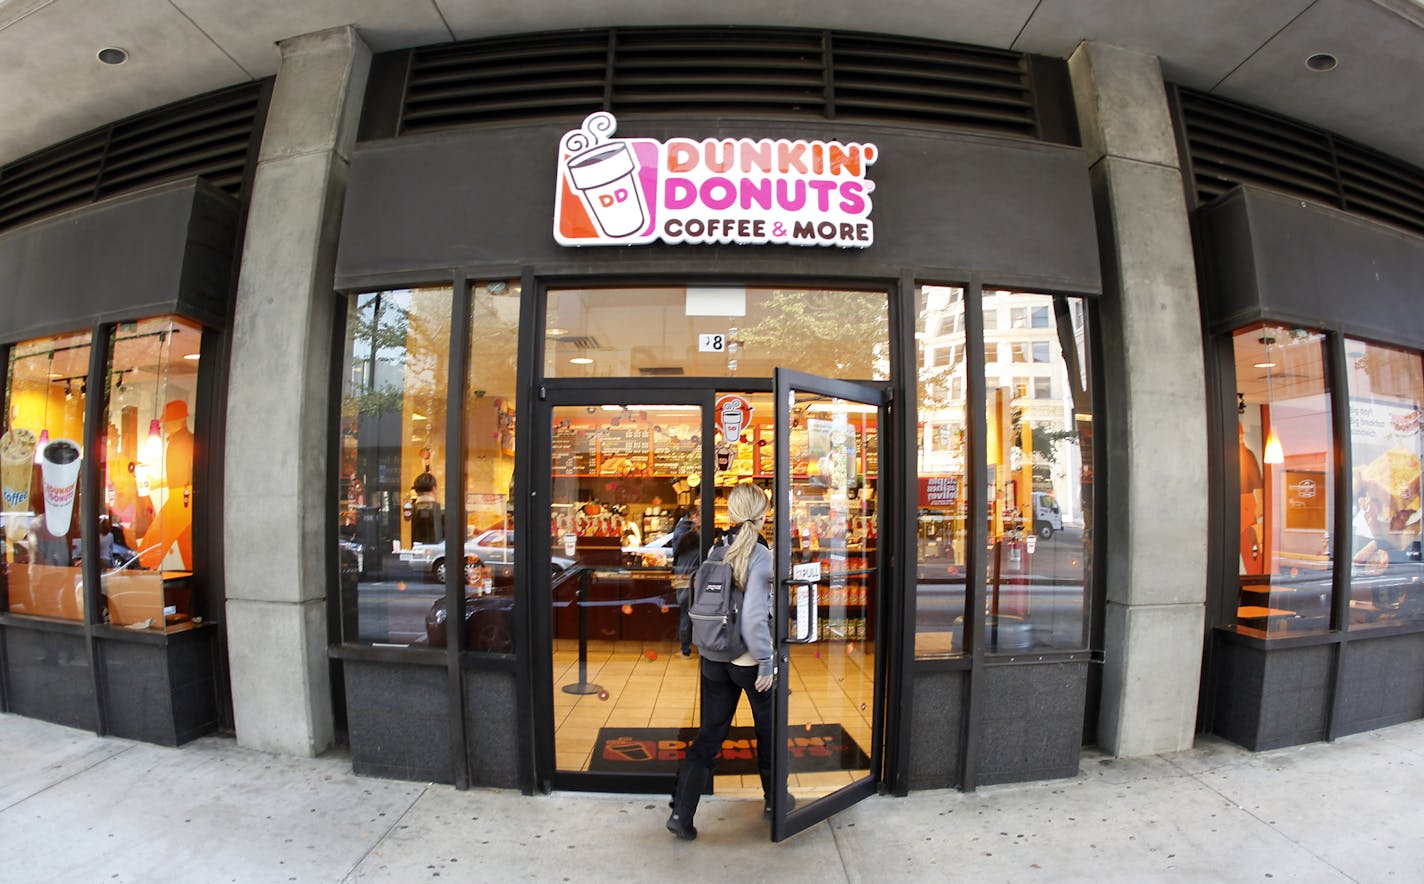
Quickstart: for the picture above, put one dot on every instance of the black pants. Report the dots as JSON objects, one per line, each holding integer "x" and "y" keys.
{"x": 722, "y": 687}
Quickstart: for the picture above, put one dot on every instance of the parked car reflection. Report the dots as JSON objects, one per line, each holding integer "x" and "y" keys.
{"x": 598, "y": 602}
{"x": 489, "y": 602}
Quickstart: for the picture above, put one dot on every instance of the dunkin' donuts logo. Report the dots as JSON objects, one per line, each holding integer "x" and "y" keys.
{"x": 632, "y": 191}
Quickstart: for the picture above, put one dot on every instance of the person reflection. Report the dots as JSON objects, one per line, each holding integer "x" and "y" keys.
{"x": 426, "y": 523}
{"x": 173, "y": 528}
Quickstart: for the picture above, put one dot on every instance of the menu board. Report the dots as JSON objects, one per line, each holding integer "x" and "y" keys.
{"x": 575, "y": 452}
{"x": 677, "y": 457}
{"x": 622, "y": 451}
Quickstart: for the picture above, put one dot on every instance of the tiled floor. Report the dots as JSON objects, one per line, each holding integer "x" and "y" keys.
{"x": 652, "y": 685}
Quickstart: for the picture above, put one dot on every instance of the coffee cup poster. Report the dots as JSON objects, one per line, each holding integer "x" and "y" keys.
{"x": 633, "y": 191}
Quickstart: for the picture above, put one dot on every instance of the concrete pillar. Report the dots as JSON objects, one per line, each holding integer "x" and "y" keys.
{"x": 275, "y": 540}
{"x": 1154, "y": 427}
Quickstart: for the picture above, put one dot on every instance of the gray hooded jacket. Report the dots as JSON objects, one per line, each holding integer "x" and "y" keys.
{"x": 755, "y": 618}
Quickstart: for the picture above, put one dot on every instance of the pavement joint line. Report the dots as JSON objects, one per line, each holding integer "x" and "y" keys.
{"x": 83, "y": 770}
{"x": 840, "y": 852}
{"x": 1274, "y": 829}
{"x": 376, "y": 842}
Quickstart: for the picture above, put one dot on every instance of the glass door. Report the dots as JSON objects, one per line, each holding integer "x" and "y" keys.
{"x": 828, "y": 507}
{"x": 625, "y": 512}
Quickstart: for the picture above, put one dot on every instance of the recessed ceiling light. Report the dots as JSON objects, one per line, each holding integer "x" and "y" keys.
{"x": 1321, "y": 62}
{"x": 194, "y": 357}
{"x": 113, "y": 55}
{"x": 581, "y": 360}
{"x": 556, "y": 332}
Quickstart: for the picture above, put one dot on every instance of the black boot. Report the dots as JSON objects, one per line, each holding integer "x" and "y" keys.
{"x": 691, "y": 778}
{"x": 766, "y": 797}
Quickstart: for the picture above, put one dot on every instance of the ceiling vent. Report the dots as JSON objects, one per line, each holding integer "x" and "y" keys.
{"x": 1228, "y": 144}
{"x": 781, "y": 72}
{"x": 579, "y": 342}
{"x": 212, "y": 137}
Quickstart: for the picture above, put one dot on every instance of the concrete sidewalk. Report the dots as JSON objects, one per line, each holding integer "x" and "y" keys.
{"x": 75, "y": 807}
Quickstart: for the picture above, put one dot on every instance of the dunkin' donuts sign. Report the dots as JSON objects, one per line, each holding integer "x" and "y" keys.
{"x": 631, "y": 191}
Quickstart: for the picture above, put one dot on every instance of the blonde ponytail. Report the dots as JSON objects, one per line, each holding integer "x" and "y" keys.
{"x": 746, "y": 504}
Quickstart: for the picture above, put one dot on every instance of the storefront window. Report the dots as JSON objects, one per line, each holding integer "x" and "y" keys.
{"x": 1038, "y": 476}
{"x": 716, "y": 331}
{"x": 43, "y": 454}
{"x": 1386, "y": 388}
{"x": 1286, "y": 490}
{"x": 146, "y": 527}
{"x": 943, "y": 508}
{"x": 490, "y": 397}
{"x": 392, "y": 464}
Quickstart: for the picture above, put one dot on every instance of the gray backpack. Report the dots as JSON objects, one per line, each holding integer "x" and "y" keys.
{"x": 716, "y": 608}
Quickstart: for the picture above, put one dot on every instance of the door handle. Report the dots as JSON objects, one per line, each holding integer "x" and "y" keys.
{"x": 805, "y": 598}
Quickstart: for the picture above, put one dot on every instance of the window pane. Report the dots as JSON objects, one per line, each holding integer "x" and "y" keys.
{"x": 1386, "y": 576}
{"x": 490, "y": 398}
{"x": 1286, "y": 481}
{"x": 716, "y": 331}
{"x": 943, "y": 501}
{"x": 43, "y": 452}
{"x": 392, "y": 544}
{"x": 1038, "y": 475}
{"x": 146, "y": 533}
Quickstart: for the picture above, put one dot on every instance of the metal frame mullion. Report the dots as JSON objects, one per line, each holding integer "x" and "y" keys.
{"x": 526, "y": 374}
{"x": 100, "y": 343}
{"x": 975, "y": 461}
{"x": 5, "y": 350}
{"x": 1338, "y": 374}
{"x": 460, "y": 290}
{"x": 903, "y": 477}
{"x": 534, "y": 445}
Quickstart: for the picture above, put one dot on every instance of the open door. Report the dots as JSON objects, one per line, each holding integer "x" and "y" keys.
{"x": 828, "y": 508}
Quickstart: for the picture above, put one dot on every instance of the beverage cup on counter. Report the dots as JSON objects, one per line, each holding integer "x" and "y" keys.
{"x": 17, "y": 463}
{"x": 59, "y": 466}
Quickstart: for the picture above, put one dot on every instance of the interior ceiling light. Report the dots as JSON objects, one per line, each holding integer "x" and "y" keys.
{"x": 1321, "y": 62}
{"x": 581, "y": 360}
{"x": 113, "y": 55}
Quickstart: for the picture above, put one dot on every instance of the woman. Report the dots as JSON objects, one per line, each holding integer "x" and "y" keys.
{"x": 725, "y": 680}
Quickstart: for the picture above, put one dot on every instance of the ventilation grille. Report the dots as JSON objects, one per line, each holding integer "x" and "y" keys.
{"x": 209, "y": 136}
{"x": 937, "y": 83}
{"x": 779, "y": 72}
{"x": 1230, "y": 144}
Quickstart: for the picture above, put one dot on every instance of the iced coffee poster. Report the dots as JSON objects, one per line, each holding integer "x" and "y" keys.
{"x": 832, "y": 462}
{"x": 17, "y": 460}
{"x": 633, "y": 191}
{"x": 1386, "y": 441}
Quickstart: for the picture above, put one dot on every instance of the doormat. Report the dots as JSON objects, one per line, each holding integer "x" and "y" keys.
{"x": 814, "y": 748}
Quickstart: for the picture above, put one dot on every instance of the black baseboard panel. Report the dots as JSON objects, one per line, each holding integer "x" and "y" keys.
{"x": 398, "y": 721}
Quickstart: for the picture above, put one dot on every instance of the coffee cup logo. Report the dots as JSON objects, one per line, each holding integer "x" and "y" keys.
{"x": 734, "y": 414}
{"x": 605, "y": 174}
{"x": 59, "y": 467}
{"x": 17, "y": 462}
